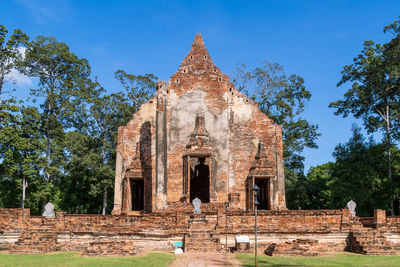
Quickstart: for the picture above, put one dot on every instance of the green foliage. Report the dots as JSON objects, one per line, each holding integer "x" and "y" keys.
{"x": 64, "y": 84}
{"x": 296, "y": 189}
{"x": 283, "y": 99}
{"x": 358, "y": 173}
{"x": 138, "y": 88}
{"x": 374, "y": 95}
{"x": 84, "y": 172}
{"x": 20, "y": 154}
{"x": 319, "y": 186}
{"x": 10, "y": 55}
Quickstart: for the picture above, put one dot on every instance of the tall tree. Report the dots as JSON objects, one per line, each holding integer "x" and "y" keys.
{"x": 106, "y": 115}
{"x": 10, "y": 54}
{"x": 63, "y": 84}
{"x": 137, "y": 88}
{"x": 20, "y": 149}
{"x": 374, "y": 95}
{"x": 283, "y": 99}
{"x": 319, "y": 187}
{"x": 359, "y": 174}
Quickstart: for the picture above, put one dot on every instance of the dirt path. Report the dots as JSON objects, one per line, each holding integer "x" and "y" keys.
{"x": 198, "y": 259}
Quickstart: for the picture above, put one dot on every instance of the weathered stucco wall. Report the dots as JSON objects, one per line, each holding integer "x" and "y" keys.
{"x": 163, "y": 128}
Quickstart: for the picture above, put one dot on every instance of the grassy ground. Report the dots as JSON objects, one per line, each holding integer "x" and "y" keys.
{"x": 334, "y": 261}
{"x": 73, "y": 259}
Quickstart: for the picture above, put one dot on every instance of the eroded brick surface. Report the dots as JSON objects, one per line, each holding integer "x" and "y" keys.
{"x": 164, "y": 130}
{"x": 333, "y": 229}
{"x": 198, "y": 125}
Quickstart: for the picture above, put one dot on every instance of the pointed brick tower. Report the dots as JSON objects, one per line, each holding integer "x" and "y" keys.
{"x": 198, "y": 69}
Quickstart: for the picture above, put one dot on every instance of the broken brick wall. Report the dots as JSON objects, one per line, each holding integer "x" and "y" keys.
{"x": 159, "y": 230}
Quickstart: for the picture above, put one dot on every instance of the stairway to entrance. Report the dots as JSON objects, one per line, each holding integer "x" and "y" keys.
{"x": 201, "y": 236}
{"x": 39, "y": 238}
{"x": 370, "y": 241}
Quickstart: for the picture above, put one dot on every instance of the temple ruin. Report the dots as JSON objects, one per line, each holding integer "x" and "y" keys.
{"x": 200, "y": 140}
{"x": 198, "y": 137}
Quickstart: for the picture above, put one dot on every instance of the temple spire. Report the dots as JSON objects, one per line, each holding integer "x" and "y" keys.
{"x": 198, "y": 54}
{"x": 198, "y": 41}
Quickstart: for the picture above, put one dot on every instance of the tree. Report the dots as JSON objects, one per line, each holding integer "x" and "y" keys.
{"x": 106, "y": 113}
{"x": 138, "y": 88}
{"x": 319, "y": 186}
{"x": 20, "y": 149}
{"x": 359, "y": 174}
{"x": 374, "y": 95}
{"x": 64, "y": 83}
{"x": 9, "y": 54}
{"x": 283, "y": 98}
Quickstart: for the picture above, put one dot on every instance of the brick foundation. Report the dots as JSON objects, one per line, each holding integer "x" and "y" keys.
{"x": 292, "y": 232}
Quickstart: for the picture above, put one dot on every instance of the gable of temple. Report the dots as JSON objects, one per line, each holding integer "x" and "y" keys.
{"x": 198, "y": 137}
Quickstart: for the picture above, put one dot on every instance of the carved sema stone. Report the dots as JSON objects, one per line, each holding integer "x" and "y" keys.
{"x": 48, "y": 210}
{"x": 351, "y": 205}
{"x": 196, "y": 205}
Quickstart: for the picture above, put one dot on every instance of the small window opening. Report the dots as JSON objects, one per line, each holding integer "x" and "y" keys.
{"x": 264, "y": 193}
{"x": 137, "y": 193}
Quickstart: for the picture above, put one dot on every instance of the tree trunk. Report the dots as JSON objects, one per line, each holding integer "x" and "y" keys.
{"x": 49, "y": 139}
{"x": 388, "y": 142}
{"x": 24, "y": 186}
{"x": 103, "y": 157}
{"x": 48, "y": 157}
{"x": 104, "y": 200}
{"x": 1, "y": 85}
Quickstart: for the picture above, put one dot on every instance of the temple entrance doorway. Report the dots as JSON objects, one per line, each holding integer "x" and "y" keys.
{"x": 199, "y": 179}
{"x": 263, "y": 199}
{"x": 137, "y": 194}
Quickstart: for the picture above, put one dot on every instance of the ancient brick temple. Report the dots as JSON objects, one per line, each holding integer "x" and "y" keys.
{"x": 198, "y": 137}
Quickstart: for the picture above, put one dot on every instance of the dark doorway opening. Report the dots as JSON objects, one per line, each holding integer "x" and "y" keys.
{"x": 137, "y": 193}
{"x": 263, "y": 199}
{"x": 200, "y": 181}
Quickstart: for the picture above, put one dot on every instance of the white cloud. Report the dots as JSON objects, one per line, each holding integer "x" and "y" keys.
{"x": 22, "y": 50}
{"x": 45, "y": 10}
{"x": 18, "y": 78}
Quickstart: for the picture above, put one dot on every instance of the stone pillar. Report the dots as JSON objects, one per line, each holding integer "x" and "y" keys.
{"x": 279, "y": 185}
{"x": 161, "y": 146}
{"x": 118, "y": 184}
{"x": 380, "y": 217}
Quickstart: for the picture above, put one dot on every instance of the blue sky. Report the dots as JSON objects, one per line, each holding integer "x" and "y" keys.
{"x": 314, "y": 39}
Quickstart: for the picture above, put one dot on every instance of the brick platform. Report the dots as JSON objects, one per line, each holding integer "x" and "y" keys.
{"x": 110, "y": 248}
{"x": 296, "y": 232}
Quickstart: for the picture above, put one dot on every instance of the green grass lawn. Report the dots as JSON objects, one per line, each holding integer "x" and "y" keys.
{"x": 73, "y": 259}
{"x": 336, "y": 260}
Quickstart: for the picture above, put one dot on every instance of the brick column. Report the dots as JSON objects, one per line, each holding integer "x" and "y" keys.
{"x": 380, "y": 217}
